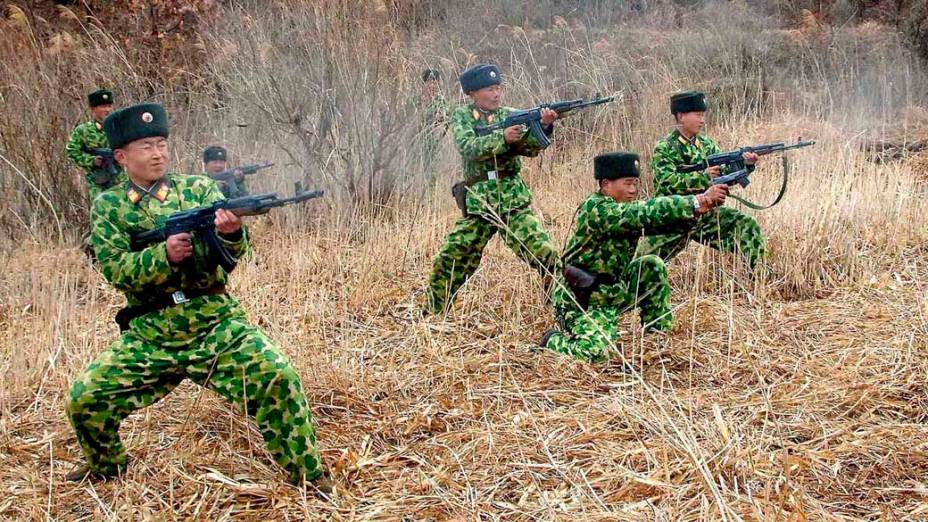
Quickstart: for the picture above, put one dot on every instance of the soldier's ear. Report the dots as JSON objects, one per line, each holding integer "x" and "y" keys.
{"x": 120, "y": 156}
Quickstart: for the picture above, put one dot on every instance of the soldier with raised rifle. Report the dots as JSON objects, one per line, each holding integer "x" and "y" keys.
{"x": 85, "y": 144}
{"x": 725, "y": 228}
{"x": 493, "y": 197}
{"x": 180, "y": 322}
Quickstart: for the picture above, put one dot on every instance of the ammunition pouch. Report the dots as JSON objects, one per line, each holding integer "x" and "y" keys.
{"x": 459, "y": 191}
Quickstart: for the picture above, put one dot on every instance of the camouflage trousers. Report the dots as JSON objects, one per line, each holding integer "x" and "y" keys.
{"x": 591, "y": 335}
{"x": 233, "y": 359}
{"x": 723, "y": 229}
{"x": 460, "y": 256}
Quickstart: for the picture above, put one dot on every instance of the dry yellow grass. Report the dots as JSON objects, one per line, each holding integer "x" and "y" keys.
{"x": 803, "y": 399}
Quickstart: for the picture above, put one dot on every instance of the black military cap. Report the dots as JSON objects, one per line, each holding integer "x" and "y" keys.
{"x": 480, "y": 76}
{"x": 616, "y": 165}
{"x": 100, "y": 97}
{"x": 688, "y": 101}
{"x": 214, "y": 152}
{"x": 136, "y": 122}
{"x": 431, "y": 74}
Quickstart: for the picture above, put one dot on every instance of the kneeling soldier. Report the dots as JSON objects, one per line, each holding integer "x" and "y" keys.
{"x": 600, "y": 280}
{"x": 493, "y": 197}
{"x": 180, "y": 323}
{"x": 725, "y": 229}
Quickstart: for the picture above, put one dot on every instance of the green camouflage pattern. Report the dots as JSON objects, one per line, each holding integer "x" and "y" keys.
{"x": 460, "y": 256}
{"x": 232, "y": 358}
{"x": 604, "y": 242}
{"x": 84, "y": 138}
{"x": 672, "y": 152}
{"x": 723, "y": 228}
{"x": 206, "y": 339}
{"x": 436, "y": 112}
{"x": 481, "y": 154}
{"x": 435, "y": 119}
{"x": 499, "y": 205}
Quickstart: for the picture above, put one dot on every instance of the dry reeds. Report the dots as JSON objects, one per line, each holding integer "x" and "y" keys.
{"x": 800, "y": 398}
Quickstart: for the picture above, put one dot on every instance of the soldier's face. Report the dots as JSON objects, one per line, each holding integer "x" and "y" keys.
{"x": 622, "y": 190}
{"x": 487, "y": 98}
{"x": 215, "y": 166}
{"x": 100, "y": 112}
{"x": 145, "y": 160}
{"x": 691, "y": 123}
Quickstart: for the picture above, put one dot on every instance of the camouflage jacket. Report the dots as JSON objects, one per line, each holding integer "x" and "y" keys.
{"x": 483, "y": 154}
{"x": 142, "y": 275}
{"x": 84, "y": 138}
{"x": 674, "y": 151}
{"x": 435, "y": 113}
{"x": 607, "y": 233}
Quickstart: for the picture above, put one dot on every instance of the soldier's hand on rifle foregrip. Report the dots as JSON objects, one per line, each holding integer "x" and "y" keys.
{"x": 180, "y": 247}
{"x": 513, "y": 134}
{"x": 714, "y": 172}
{"x": 548, "y": 116}
{"x": 227, "y": 222}
{"x": 97, "y": 161}
{"x": 750, "y": 158}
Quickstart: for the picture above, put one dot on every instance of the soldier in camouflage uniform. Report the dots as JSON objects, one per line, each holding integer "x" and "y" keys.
{"x": 179, "y": 323}
{"x": 492, "y": 197}
{"x": 88, "y": 136}
{"x": 609, "y": 224}
{"x": 214, "y": 162}
{"x": 435, "y": 112}
{"x": 724, "y": 229}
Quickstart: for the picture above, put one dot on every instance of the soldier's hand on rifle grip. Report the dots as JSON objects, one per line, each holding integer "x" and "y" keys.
{"x": 750, "y": 158}
{"x": 227, "y": 223}
{"x": 714, "y": 172}
{"x": 713, "y": 197}
{"x": 548, "y": 116}
{"x": 180, "y": 247}
{"x": 239, "y": 175}
{"x": 513, "y": 134}
{"x": 97, "y": 161}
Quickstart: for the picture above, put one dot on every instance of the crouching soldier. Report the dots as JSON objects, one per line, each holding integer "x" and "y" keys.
{"x": 180, "y": 322}
{"x": 725, "y": 229}
{"x": 600, "y": 279}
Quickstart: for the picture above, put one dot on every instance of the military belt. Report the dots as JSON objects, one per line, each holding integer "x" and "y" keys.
{"x": 486, "y": 176}
{"x": 128, "y": 313}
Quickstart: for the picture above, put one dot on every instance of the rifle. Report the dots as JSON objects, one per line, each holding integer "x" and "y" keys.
{"x": 739, "y": 173}
{"x": 201, "y": 221}
{"x": 247, "y": 170}
{"x": 532, "y": 117}
{"x": 105, "y": 174}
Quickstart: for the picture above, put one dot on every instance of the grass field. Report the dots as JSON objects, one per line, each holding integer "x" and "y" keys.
{"x": 801, "y": 397}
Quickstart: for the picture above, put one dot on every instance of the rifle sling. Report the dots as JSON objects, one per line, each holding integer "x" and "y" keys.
{"x": 779, "y": 197}
{"x": 125, "y": 315}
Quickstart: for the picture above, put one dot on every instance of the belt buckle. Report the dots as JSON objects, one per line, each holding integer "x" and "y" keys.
{"x": 179, "y": 297}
